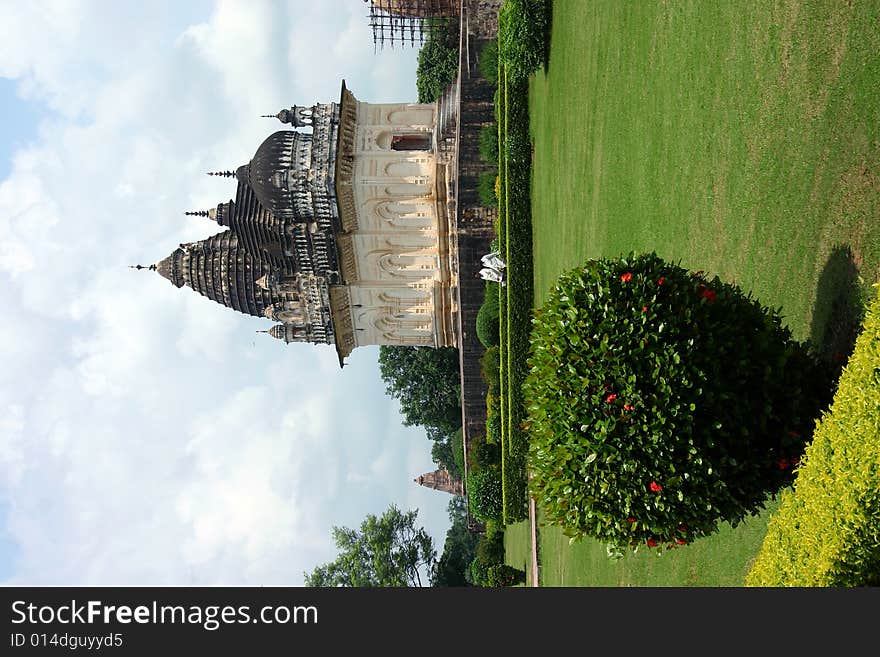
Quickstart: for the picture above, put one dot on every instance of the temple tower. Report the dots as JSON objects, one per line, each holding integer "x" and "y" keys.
{"x": 338, "y": 230}
{"x": 441, "y": 480}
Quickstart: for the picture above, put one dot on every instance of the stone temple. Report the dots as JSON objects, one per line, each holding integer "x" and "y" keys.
{"x": 339, "y": 231}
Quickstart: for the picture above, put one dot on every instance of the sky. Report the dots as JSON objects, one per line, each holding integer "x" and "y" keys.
{"x": 149, "y": 436}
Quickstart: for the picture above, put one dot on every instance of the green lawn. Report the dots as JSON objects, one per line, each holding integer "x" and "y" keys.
{"x": 741, "y": 138}
{"x": 516, "y": 547}
{"x": 722, "y": 560}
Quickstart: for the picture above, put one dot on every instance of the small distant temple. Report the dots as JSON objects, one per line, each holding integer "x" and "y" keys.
{"x": 441, "y": 480}
{"x": 339, "y": 230}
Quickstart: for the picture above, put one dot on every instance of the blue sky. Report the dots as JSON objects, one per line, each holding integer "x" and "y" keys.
{"x": 147, "y": 435}
{"x": 19, "y": 126}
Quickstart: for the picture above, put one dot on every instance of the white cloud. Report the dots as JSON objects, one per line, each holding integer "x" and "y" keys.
{"x": 149, "y": 435}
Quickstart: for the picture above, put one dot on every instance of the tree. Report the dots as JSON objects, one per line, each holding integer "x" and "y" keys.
{"x": 438, "y": 60}
{"x": 427, "y": 382}
{"x": 389, "y": 551}
{"x": 442, "y": 455}
{"x": 459, "y": 550}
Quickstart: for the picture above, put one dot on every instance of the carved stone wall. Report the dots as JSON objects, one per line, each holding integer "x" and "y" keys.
{"x": 395, "y": 241}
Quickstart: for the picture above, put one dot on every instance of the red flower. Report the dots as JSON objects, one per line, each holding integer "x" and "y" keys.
{"x": 681, "y": 542}
{"x": 628, "y": 407}
{"x": 644, "y": 309}
{"x": 660, "y": 280}
{"x": 708, "y": 295}
{"x": 682, "y": 527}
{"x": 630, "y": 519}
{"x": 784, "y": 464}
{"x": 651, "y": 542}
{"x": 794, "y": 434}
{"x": 627, "y": 277}
{"x": 610, "y": 398}
{"x": 655, "y": 487}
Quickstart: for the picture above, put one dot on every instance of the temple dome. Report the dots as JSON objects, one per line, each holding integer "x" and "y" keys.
{"x": 268, "y": 172}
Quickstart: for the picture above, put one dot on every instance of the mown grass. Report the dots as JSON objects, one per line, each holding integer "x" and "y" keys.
{"x": 722, "y": 560}
{"x": 740, "y": 138}
{"x": 516, "y": 547}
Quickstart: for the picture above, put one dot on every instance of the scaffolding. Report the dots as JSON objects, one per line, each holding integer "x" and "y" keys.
{"x": 402, "y": 22}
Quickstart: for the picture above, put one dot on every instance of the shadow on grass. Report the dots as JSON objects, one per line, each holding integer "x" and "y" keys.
{"x": 838, "y": 311}
{"x": 548, "y": 29}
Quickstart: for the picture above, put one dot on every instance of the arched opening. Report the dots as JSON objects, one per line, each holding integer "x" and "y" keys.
{"x": 420, "y": 141}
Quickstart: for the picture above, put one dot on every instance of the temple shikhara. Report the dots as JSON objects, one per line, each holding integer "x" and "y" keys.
{"x": 339, "y": 231}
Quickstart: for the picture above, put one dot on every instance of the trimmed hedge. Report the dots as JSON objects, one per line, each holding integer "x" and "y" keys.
{"x": 501, "y": 575}
{"x": 523, "y": 33}
{"x": 489, "y": 553}
{"x": 488, "y": 62}
{"x": 490, "y": 547}
{"x": 515, "y": 239}
{"x": 826, "y": 531}
{"x": 479, "y": 572}
{"x": 488, "y": 143}
{"x": 490, "y": 364}
{"x": 487, "y": 317}
{"x": 494, "y": 433}
{"x": 486, "y": 188}
{"x": 484, "y": 455}
{"x": 662, "y": 403}
{"x": 484, "y": 493}
{"x": 457, "y": 444}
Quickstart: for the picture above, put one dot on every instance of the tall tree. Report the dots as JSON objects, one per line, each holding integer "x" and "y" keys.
{"x": 389, "y": 551}
{"x": 427, "y": 382}
{"x": 438, "y": 59}
{"x": 453, "y": 567}
{"x": 442, "y": 455}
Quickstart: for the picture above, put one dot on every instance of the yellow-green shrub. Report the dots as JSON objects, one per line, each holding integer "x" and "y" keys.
{"x": 826, "y": 531}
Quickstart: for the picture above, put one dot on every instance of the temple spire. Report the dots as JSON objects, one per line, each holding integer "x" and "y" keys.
{"x": 224, "y": 174}
{"x": 197, "y": 213}
{"x": 151, "y": 267}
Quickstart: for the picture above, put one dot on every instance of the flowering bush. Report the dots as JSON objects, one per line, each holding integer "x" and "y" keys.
{"x": 661, "y": 403}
